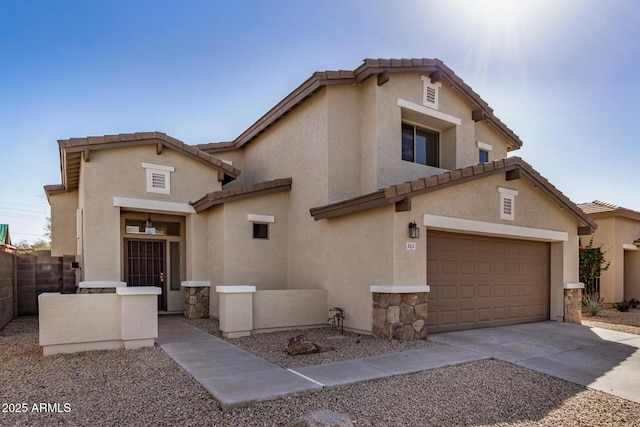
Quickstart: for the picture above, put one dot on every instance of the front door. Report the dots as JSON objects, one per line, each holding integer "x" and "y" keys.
{"x": 146, "y": 266}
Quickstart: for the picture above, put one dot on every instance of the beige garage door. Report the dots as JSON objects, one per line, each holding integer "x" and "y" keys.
{"x": 481, "y": 281}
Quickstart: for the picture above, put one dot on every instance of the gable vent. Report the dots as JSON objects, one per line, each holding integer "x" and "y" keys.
{"x": 507, "y": 203}
{"x": 158, "y": 180}
{"x": 430, "y": 95}
{"x": 507, "y": 206}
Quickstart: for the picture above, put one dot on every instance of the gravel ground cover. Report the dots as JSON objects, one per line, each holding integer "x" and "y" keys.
{"x": 146, "y": 387}
{"x": 347, "y": 346}
{"x": 612, "y": 318}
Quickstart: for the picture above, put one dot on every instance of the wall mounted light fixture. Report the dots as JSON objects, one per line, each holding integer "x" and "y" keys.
{"x": 414, "y": 231}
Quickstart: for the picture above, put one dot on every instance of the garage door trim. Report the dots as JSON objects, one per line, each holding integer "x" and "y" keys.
{"x": 461, "y": 225}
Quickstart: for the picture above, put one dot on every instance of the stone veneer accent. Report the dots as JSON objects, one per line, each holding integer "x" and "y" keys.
{"x": 400, "y": 316}
{"x": 96, "y": 290}
{"x": 196, "y": 299}
{"x": 99, "y": 287}
{"x": 573, "y": 302}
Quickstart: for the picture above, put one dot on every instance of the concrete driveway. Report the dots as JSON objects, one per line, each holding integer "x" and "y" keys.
{"x": 601, "y": 359}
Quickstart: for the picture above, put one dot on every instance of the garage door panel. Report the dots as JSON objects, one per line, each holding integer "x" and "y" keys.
{"x": 484, "y": 291}
{"x": 483, "y": 281}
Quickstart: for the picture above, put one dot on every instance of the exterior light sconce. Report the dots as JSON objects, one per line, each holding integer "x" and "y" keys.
{"x": 148, "y": 226}
{"x": 414, "y": 231}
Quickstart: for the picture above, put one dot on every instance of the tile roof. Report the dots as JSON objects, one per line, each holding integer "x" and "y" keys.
{"x": 514, "y": 167}
{"x": 370, "y": 67}
{"x": 600, "y": 209}
{"x": 243, "y": 192}
{"x": 74, "y": 149}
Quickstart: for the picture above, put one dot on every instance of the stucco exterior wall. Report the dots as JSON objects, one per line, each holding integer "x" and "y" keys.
{"x": 360, "y": 255}
{"x": 343, "y": 141}
{"x": 297, "y": 147}
{"x": 257, "y": 262}
{"x": 612, "y": 233}
{"x": 458, "y": 143}
{"x": 632, "y": 275}
{"x": 119, "y": 173}
{"x": 64, "y": 207}
{"x": 480, "y": 201}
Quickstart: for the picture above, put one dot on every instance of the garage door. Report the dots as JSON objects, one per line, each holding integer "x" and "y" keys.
{"x": 481, "y": 281}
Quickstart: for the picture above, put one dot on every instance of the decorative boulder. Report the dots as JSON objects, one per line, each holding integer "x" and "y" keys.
{"x": 301, "y": 345}
{"x": 324, "y": 418}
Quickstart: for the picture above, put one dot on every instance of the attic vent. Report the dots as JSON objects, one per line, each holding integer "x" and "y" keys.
{"x": 507, "y": 203}
{"x": 506, "y": 208}
{"x": 158, "y": 178}
{"x": 430, "y": 93}
{"x": 158, "y": 181}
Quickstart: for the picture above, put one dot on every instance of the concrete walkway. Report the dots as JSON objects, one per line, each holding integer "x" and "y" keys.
{"x": 236, "y": 377}
{"x": 605, "y": 360}
{"x": 600, "y": 359}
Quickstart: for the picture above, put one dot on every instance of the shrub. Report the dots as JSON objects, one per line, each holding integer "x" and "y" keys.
{"x": 623, "y": 306}
{"x": 634, "y": 303}
{"x": 592, "y": 304}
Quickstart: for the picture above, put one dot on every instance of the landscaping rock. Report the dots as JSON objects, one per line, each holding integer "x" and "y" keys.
{"x": 301, "y": 345}
{"x": 324, "y": 418}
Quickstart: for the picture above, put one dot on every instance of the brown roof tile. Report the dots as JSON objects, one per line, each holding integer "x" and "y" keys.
{"x": 74, "y": 145}
{"x": 368, "y": 68}
{"x": 396, "y": 193}
{"x": 243, "y": 192}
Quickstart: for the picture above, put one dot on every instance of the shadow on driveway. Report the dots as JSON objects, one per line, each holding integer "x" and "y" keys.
{"x": 601, "y": 359}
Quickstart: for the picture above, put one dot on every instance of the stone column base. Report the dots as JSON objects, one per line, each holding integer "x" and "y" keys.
{"x": 196, "y": 299}
{"x": 573, "y": 302}
{"x": 400, "y": 314}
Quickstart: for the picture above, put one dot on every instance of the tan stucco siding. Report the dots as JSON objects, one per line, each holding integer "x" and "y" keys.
{"x": 343, "y": 105}
{"x": 612, "y": 233}
{"x": 458, "y": 143}
{"x": 480, "y": 201}
{"x": 257, "y": 262}
{"x": 64, "y": 207}
{"x": 119, "y": 173}
{"x": 359, "y": 255}
{"x": 369, "y": 137}
{"x": 297, "y": 147}
{"x": 487, "y": 134}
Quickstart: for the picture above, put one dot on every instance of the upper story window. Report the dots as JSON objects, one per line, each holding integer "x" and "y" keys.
{"x": 158, "y": 178}
{"x": 483, "y": 156}
{"x": 483, "y": 151}
{"x": 420, "y": 145}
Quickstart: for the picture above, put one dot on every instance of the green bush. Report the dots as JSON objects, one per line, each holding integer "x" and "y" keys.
{"x": 623, "y": 306}
{"x": 592, "y": 304}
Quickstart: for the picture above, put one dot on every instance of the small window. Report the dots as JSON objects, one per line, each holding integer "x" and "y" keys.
{"x": 260, "y": 231}
{"x": 507, "y": 203}
{"x": 420, "y": 145}
{"x": 483, "y": 151}
{"x": 484, "y": 156}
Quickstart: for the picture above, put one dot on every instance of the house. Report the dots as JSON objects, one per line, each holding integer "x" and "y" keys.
{"x": 5, "y": 239}
{"x": 388, "y": 186}
{"x": 618, "y": 235}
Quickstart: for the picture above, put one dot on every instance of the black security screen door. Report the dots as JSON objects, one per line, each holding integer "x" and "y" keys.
{"x": 146, "y": 261}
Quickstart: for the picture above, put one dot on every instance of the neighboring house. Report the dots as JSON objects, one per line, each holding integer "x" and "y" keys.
{"x": 5, "y": 239}
{"x": 618, "y": 236}
{"x": 321, "y": 191}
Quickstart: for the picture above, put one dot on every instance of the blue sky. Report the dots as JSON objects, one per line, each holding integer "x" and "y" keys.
{"x": 563, "y": 75}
